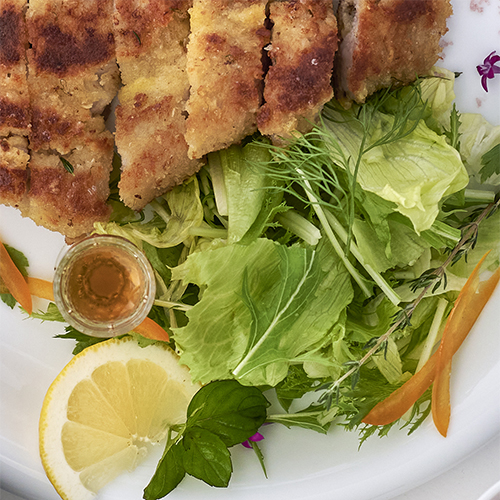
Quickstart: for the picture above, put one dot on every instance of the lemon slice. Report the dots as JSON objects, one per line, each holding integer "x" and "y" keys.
{"x": 104, "y": 411}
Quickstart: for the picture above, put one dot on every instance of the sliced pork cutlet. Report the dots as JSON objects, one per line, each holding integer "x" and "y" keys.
{"x": 70, "y": 202}
{"x": 298, "y": 82}
{"x": 14, "y": 159}
{"x": 72, "y": 77}
{"x": 151, "y": 39}
{"x": 15, "y": 116}
{"x": 385, "y": 42}
{"x": 72, "y": 69}
{"x": 225, "y": 72}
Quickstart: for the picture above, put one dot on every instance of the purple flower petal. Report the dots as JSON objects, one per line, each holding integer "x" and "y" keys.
{"x": 488, "y": 70}
{"x": 255, "y": 438}
{"x": 484, "y": 83}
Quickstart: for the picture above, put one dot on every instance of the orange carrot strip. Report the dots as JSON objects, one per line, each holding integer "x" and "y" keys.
{"x": 467, "y": 309}
{"x": 152, "y": 330}
{"x": 403, "y": 398}
{"x": 41, "y": 288}
{"x": 148, "y": 328}
{"x": 14, "y": 280}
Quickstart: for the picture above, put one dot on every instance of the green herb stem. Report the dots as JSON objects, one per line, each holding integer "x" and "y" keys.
{"x": 479, "y": 196}
{"x": 331, "y": 236}
{"x": 208, "y": 232}
{"x": 379, "y": 280}
{"x": 300, "y": 226}
{"x": 172, "y": 305}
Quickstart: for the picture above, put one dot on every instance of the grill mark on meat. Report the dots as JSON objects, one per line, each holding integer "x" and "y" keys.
{"x": 47, "y": 124}
{"x": 12, "y": 115}
{"x": 63, "y": 51}
{"x": 10, "y": 36}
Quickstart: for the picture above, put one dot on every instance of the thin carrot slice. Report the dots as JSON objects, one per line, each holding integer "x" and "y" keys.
{"x": 14, "y": 280}
{"x": 148, "y": 328}
{"x": 152, "y": 330}
{"x": 473, "y": 298}
{"x": 402, "y": 399}
{"x": 41, "y": 288}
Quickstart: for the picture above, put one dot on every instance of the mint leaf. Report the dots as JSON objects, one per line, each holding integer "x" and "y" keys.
{"x": 229, "y": 410}
{"x": 206, "y": 457}
{"x": 169, "y": 473}
{"x": 221, "y": 414}
{"x": 491, "y": 163}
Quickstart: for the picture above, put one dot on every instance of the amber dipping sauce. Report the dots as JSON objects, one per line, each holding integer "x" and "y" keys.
{"x": 104, "y": 286}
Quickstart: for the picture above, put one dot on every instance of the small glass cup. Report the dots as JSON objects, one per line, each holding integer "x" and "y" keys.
{"x": 104, "y": 286}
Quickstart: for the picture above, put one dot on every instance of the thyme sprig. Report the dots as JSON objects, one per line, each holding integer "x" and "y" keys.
{"x": 426, "y": 282}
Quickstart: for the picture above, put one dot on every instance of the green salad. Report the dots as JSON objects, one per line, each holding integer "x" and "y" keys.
{"x": 325, "y": 268}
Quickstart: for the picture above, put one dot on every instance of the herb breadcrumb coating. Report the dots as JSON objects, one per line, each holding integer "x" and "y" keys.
{"x": 225, "y": 72}
{"x": 151, "y": 42}
{"x": 298, "y": 82}
{"x": 385, "y": 42}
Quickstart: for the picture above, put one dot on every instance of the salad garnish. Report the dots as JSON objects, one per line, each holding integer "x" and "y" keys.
{"x": 488, "y": 69}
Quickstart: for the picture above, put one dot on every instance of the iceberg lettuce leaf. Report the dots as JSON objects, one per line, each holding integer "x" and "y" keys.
{"x": 414, "y": 172}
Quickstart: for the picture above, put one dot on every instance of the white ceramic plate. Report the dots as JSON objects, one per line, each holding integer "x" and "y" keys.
{"x": 300, "y": 464}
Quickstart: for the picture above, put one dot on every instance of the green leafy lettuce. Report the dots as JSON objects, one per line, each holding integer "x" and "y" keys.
{"x": 262, "y": 305}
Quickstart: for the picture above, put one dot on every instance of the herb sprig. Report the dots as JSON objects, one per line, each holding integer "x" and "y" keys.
{"x": 426, "y": 282}
{"x": 221, "y": 414}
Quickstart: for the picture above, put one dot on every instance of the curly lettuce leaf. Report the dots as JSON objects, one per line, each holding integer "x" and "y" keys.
{"x": 262, "y": 306}
{"x": 414, "y": 172}
{"x": 171, "y": 222}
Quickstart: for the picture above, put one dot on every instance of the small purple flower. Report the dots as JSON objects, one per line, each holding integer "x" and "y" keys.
{"x": 488, "y": 70}
{"x": 255, "y": 438}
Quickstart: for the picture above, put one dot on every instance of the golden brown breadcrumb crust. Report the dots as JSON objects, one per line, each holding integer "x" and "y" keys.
{"x": 72, "y": 70}
{"x": 150, "y": 120}
{"x": 385, "y": 42}
{"x": 15, "y": 115}
{"x": 15, "y": 112}
{"x": 298, "y": 83}
{"x": 67, "y": 202}
{"x": 225, "y": 72}
{"x": 193, "y": 82}
{"x": 14, "y": 159}
{"x": 72, "y": 77}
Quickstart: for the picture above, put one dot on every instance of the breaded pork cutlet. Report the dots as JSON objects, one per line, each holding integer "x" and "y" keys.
{"x": 151, "y": 39}
{"x": 15, "y": 116}
{"x": 71, "y": 203}
{"x": 298, "y": 83}
{"x": 225, "y": 72}
{"x": 385, "y": 42}
{"x": 72, "y": 77}
{"x": 14, "y": 159}
{"x": 72, "y": 69}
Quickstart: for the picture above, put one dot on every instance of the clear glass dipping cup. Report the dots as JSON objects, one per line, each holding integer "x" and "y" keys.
{"x": 104, "y": 286}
